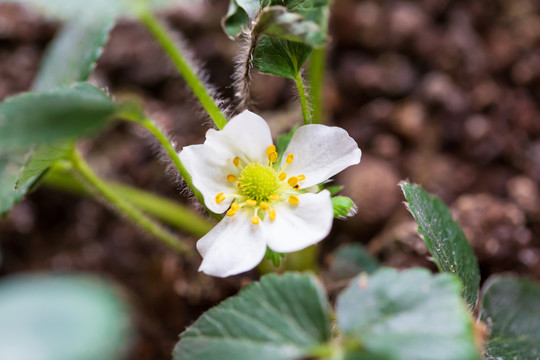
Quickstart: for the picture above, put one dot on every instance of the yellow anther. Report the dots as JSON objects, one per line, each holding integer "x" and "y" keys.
{"x": 274, "y": 197}
{"x": 235, "y": 206}
{"x": 231, "y": 178}
{"x": 282, "y": 176}
{"x": 301, "y": 177}
{"x": 293, "y": 181}
{"x": 236, "y": 161}
{"x": 220, "y": 197}
{"x": 293, "y": 199}
{"x": 271, "y": 149}
{"x": 272, "y": 214}
{"x": 265, "y": 206}
{"x": 255, "y": 220}
{"x": 231, "y": 212}
{"x": 272, "y": 157}
{"x": 289, "y": 159}
{"x": 251, "y": 202}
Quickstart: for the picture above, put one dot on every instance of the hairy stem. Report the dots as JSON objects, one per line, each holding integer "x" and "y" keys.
{"x": 242, "y": 76}
{"x": 184, "y": 67}
{"x": 165, "y": 210}
{"x": 93, "y": 182}
{"x": 316, "y": 80}
{"x": 303, "y": 99}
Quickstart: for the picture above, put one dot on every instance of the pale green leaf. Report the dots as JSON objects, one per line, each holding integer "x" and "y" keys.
{"x": 343, "y": 207}
{"x": 61, "y": 318}
{"x": 409, "y": 315}
{"x": 444, "y": 239}
{"x": 32, "y": 119}
{"x": 279, "y": 318}
{"x": 511, "y": 310}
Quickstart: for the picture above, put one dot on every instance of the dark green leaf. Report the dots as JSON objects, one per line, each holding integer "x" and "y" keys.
{"x": 350, "y": 260}
{"x": 409, "y": 315}
{"x": 41, "y": 160}
{"x": 444, "y": 239}
{"x": 239, "y": 15}
{"x": 280, "y": 57}
{"x": 61, "y": 318}
{"x": 279, "y": 318}
{"x": 32, "y": 119}
{"x": 277, "y": 22}
{"x": 511, "y": 309}
{"x": 343, "y": 207}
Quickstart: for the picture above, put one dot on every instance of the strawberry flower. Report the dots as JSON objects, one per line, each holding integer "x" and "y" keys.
{"x": 266, "y": 203}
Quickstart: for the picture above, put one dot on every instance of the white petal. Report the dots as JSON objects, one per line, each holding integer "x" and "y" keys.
{"x": 299, "y": 226}
{"x": 320, "y": 152}
{"x": 209, "y": 166}
{"x": 247, "y": 136}
{"x": 233, "y": 246}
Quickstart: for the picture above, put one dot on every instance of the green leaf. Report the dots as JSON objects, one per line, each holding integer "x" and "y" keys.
{"x": 61, "y": 318}
{"x": 277, "y": 22}
{"x": 73, "y": 53}
{"x": 351, "y": 260}
{"x": 285, "y": 31}
{"x": 511, "y": 309}
{"x": 444, "y": 239}
{"x": 334, "y": 189}
{"x": 65, "y": 113}
{"x": 71, "y": 57}
{"x": 279, "y": 318}
{"x": 10, "y": 165}
{"x": 409, "y": 315}
{"x": 343, "y": 207}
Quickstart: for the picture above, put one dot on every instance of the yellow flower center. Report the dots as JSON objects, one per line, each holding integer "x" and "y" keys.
{"x": 260, "y": 187}
{"x": 258, "y": 182}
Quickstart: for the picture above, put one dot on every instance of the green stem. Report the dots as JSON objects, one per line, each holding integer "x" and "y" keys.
{"x": 123, "y": 206}
{"x": 303, "y": 99}
{"x": 183, "y": 66}
{"x": 317, "y": 67}
{"x": 165, "y": 210}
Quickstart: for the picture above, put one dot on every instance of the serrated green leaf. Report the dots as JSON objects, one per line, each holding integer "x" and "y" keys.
{"x": 444, "y": 239}
{"x": 351, "y": 260}
{"x": 277, "y": 22}
{"x": 409, "y": 315}
{"x": 33, "y": 118}
{"x": 285, "y": 31}
{"x": 280, "y": 57}
{"x": 343, "y": 207}
{"x": 279, "y": 318}
{"x": 61, "y": 318}
{"x": 511, "y": 309}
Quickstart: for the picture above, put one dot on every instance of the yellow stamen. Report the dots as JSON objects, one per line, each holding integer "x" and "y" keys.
{"x": 231, "y": 178}
{"x": 301, "y": 177}
{"x": 236, "y": 161}
{"x": 289, "y": 159}
{"x": 235, "y": 206}
{"x": 220, "y": 197}
{"x": 282, "y": 176}
{"x": 293, "y": 199}
{"x": 265, "y": 206}
{"x": 271, "y": 149}
{"x": 274, "y": 197}
{"x": 255, "y": 220}
{"x": 251, "y": 202}
{"x": 272, "y": 214}
{"x": 293, "y": 180}
{"x": 231, "y": 212}
{"x": 296, "y": 187}
{"x": 273, "y": 157}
